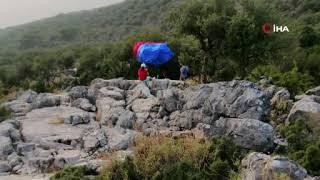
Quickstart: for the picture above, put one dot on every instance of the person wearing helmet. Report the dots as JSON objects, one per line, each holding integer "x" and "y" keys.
{"x": 143, "y": 72}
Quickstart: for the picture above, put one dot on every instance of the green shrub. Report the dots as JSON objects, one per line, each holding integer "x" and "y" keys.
{"x": 4, "y": 114}
{"x": 296, "y": 82}
{"x": 120, "y": 170}
{"x": 71, "y": 173}
{"x": 187, "y": 158}
{"x": 304, "y": 147}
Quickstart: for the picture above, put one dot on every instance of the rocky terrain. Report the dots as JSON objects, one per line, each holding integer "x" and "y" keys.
{"x": 50, "y": 131}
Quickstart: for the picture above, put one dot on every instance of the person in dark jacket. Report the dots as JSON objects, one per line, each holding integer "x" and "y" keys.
{"x": 184, "y": 72}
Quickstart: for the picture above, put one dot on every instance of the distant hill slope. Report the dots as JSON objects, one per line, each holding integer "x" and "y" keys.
{"x": 103, "y": 24}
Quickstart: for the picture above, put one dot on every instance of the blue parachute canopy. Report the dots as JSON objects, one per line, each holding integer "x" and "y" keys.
{"x": 154, "y": 53}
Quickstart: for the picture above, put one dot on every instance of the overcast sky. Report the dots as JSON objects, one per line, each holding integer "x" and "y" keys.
{"x": 15, "y": 12}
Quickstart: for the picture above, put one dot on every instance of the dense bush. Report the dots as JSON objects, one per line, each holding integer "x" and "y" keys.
{"x": 4, "y": 114}
{"x": 296, "y": 82}
{"x": 73, "y": 173}
{"x": 167, "y": 158}
{"x": 304, "y": 146}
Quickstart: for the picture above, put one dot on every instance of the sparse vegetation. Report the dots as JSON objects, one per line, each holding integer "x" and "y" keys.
{"x": 304, "y": 146}
{"x": 187, "y": 158}
{"x": 73, "y": 173}
{"x": 4, "y": 114}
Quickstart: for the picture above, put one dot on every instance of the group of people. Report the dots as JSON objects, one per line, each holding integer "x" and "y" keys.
{"x": 143, "y": 73}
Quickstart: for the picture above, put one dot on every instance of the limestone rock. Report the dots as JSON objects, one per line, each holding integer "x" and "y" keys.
{"x": 112, "y": 92}
{"x": 28, "y": 96}
{"x": 83, "y": 104}
{"x": 90, "y": 143}
{"x": 307, "y": 109}
{"x": 78, "y": 92}
{"x": 46, "y": 126}
{"x": 84, "y": 118}
{"x": 170, "y": 99}
{"x": 119, "y": 139}
{"x": 46, "y": 100}
{"x": 109, "y": 110}
{"x": 248, "y": 133}
{"x": 257, "y": 166}
{"x": 315, "y": 91}
{"x": 67, "y": 158}
{"x": 37, "y": 165}
{"x": 126, "y": 120}
{"x": 6, "y": 147}
{"x": 24, "y": 148}
{"x": 4, "y": 167}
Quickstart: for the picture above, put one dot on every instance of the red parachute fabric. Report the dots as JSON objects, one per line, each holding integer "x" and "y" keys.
{"x": 137, "y": 45}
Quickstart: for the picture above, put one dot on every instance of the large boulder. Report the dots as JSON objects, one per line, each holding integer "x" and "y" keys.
{"x": 119, "y": 139}
{"x": 170, "y": 99}
{"x": 112, "y": 92}
{"x": 247, "y": 133}
{"x": 83, "y": 118}
{"x": 126, "y": 120}
{"x": 109, "y": 110}
{"x": 10, "y": 128}
{"x": 67, "y": 158}
{"x": 140, "y": 91}
{"x": 97, "y": 84}
{"x": 46, "y": 100}
{"x": 24, "y": 148}
{"x": 315, "y": 91}
{"x": 78, "y": 92}
{"x": 83, "y": 104}
{"x": 186, "y": 119}
{"x": 6, "y": 147}
{"x": 4, "y": 167}
{"x": 39, "y": 165}
{"x": 28, "y": 96}
{"x": 257, "y": 166}
{"x": 18, "y": 108}
{"x": 307, "y": 109}
{"x": 237, "y": 99}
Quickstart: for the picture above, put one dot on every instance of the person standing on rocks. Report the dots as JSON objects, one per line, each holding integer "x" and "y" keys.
{"x": 143, "y": 73}
{"x": 184, "y": 72}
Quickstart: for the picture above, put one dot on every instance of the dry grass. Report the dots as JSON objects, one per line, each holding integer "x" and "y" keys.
{"x": 56, "y": 121}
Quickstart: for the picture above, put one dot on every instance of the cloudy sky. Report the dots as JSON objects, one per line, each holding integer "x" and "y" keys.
{"x": 14, "y": 12}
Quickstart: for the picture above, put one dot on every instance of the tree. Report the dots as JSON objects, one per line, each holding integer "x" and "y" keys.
{"x": 30, "y": 40}
{"x": 207, "y": 21}
{"x": 308, "y": 37}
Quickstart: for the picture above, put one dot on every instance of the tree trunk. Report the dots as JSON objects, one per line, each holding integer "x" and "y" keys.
{"x": 204, "y": 76}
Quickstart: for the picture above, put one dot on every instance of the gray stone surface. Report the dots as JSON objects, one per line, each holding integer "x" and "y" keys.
{"x": 24, "y": 148}
{"x": 257, "y": 166}
{"x": 59, "y": 130}
{"x": 6, "y": 147}
{"x": 83, "y": 104}
{"x": 4, "y": 167}
{"x": 47, "y": 125}
{"x": 315, "y": 91}
{"x": 126, "y": 120}
{"x": 248, "y": 133}
{"x": 78, "y": 92}
{"x": 67, "y": 158}
{"x": 46, "y": 100}
{"x": 304, "y": 108}
{"x": 119, "y": 139}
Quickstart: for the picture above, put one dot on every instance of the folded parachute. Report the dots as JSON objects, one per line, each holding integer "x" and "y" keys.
{"x": 153, "y": 53}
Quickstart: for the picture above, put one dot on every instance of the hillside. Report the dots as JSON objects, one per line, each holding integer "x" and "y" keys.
{"x": 100, "y": 25}
{"x": 161, "y": 125}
